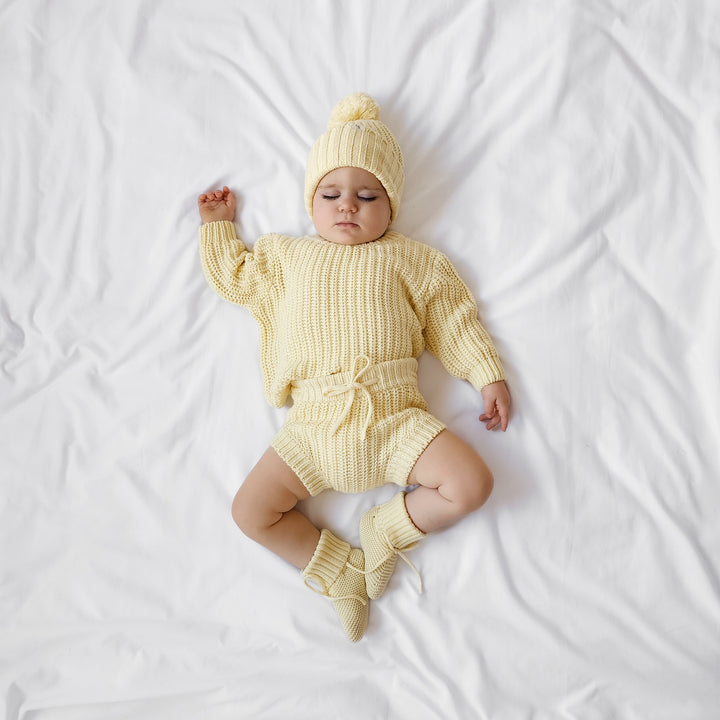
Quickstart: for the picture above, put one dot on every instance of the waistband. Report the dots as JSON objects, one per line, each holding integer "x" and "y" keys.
{"x": 373, "y": 377}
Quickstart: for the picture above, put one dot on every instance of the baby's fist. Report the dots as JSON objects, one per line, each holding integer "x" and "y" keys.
{"x": 217, "y": 205}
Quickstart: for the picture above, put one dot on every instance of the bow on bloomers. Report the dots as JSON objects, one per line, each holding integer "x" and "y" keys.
{"x": 350, "y": 389}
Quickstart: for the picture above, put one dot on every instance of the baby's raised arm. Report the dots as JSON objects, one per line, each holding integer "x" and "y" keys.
{"x": 217, "y": 205}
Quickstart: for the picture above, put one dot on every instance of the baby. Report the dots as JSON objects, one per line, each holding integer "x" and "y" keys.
{"x": 343, "y": 317}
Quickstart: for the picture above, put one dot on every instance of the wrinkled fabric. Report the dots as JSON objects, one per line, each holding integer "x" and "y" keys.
{"x": 564, "y": 155}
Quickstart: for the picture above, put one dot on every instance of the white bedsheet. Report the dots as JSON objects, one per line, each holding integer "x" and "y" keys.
{"x": 565, "y": 155}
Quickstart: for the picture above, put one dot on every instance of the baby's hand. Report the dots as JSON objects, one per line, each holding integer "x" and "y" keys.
{"x": 497, "y": 406}
{"x": 217, "y": 205}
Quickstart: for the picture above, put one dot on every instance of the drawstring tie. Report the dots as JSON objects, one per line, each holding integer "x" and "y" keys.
{"x": 322, "y": 590}
{"x": 350, "y": 389}
{"x": 393, "y": 551}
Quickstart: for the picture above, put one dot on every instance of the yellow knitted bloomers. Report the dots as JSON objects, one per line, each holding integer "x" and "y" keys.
{"x": 353, "y": 318}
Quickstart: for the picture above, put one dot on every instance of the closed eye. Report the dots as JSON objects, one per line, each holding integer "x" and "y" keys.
{"x": 362, "y": 198}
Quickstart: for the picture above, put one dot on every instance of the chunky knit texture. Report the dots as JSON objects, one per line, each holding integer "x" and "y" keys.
{"x": 357, "y": 430}
{"x": 356, "y": 137}
{"x": 385, "y": 532}
{"x": 335, "y": 570}
{"x": 320, "y": 305}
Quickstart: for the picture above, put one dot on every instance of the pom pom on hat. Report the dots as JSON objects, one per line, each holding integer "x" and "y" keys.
{"x": 358, "y": 106}
{"x": 356, "y": 137}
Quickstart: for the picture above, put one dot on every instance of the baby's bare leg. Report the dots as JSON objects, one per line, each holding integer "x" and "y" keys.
{"x": 454, "y": 482}
{"x": 264, "y": 510}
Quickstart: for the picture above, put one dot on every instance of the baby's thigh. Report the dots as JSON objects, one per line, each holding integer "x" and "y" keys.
{"x": 451, "y": 466}
{"x": 271, "y": 488}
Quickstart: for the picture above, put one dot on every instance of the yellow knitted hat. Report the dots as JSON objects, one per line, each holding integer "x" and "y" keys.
{"x": 356, "y": 137}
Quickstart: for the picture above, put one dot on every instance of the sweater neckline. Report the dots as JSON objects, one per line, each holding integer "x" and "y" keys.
{"x": 386, "y": 239}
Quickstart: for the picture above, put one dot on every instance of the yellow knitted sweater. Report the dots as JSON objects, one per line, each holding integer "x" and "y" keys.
{"x": 321, "y": 305}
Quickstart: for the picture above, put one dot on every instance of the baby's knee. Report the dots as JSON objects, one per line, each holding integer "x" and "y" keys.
{"x": 476, "y": 487}
{"x": 486, "y": 485}
{"x": 245, "y": 515}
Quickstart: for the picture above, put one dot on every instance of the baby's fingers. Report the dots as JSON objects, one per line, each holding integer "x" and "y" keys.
{"x": 499, "y": 416}
{"x": 491, "y": 421}
{"x": 504, "y": 419}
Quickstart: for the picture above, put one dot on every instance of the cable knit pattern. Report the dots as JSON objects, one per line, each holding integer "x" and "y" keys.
{"x": 321, "y": 305}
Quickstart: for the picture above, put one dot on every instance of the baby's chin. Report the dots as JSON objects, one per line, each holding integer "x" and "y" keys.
{"x": 350, "y": 236}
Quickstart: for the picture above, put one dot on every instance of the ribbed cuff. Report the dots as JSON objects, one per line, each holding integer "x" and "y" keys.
{"x": 328, "y": 560}
{"x": 393, "y": 518}
{"x": 423, "y": 433}
{"x": 218, "y": 230}
{"x": 292, "y": 453}
{"x": 490, "y": 371}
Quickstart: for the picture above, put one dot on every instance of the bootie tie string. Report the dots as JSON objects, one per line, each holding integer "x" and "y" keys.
{"x": 392, "y": 550}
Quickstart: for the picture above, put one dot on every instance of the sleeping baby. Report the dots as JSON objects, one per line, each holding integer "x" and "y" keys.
{"x": 343, "y": 317}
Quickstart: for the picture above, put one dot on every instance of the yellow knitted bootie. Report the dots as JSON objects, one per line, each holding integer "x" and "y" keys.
{"x": 337, "y": 571}
{"x": 385, "y": 531}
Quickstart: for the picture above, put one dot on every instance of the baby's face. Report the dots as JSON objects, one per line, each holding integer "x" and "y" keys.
{"x": 351, "y": 207}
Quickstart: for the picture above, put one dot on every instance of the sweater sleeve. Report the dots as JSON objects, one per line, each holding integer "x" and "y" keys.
{"x": 235, "y": 273}
{"x": 453, "y": 332}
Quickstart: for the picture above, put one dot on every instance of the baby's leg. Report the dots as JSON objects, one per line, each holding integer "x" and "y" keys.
{"x": 454, "y": 481}
{"x": 264, "y": 510}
